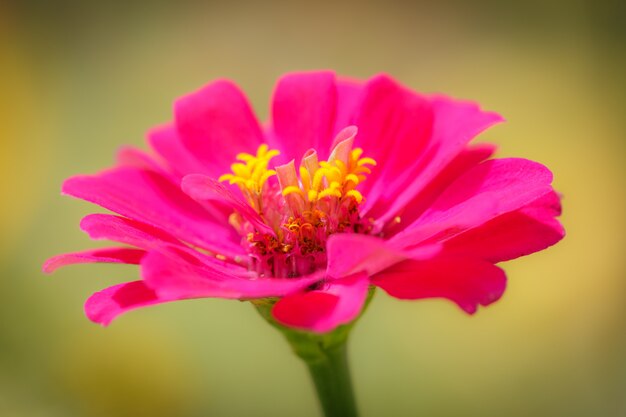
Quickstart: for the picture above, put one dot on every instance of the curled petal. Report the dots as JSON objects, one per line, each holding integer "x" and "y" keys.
{"x": 336, "y": 303}
{"x": 104, "y": 306}
{"x": 103, "y": 255}
{"x": 343, "y": 143}
{"x": 205, "y": 189}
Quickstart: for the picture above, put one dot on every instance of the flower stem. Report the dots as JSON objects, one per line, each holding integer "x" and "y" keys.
{"x": 331, "y": 377}
{"x": 326, "y": 357}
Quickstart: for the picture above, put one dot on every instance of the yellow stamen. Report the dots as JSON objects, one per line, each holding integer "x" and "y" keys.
{"x": 343, "y": 169}
{"x": 366, "y": 161}
{"x": 305, "y": 177}
{"x": 329, "y": 192}
{"x": 352, "y": 178}
{"x": 251, "y": 173}
{"x": 245, "y": 157}
{"x": 225, "y": 177}
{"x": 356, "y": 195}
{"x": 292, "y": 189}
{"x": 317, "y": 180}
{"x": 266, "y": 175}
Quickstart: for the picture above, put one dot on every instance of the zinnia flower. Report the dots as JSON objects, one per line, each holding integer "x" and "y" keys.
{"x": 349, "y": 185}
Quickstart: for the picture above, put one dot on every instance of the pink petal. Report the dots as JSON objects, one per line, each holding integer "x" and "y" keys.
{"x": 492, "y": 188}
{"x": 343, "y": 144}
{"x": 167, "y": 143}
{"x": 349, "y": 97}
{"x": 351, "y": 253}
{"x": 467, "y": 159}
{"x": 103, "y": 306}
{"x": 521, "y": 232}
{"x": 205, "y": 189}
{"x": 144, "y": 236}
{"x": 173, "y": 277}
{"x": 394, "y": 128}
{"x": 129, "y": 156}
{"x": 216, "y": 123}
{"x": 465, "y": 281}
{"x": 454, "y": 124}
{"x": 123, "y": 230}
{"x": 148, "y": 197}
{"x": 338, "y": 302}
{"x": 179, "y": 280}
{"x": 303, "y": 310}
{"x": 105, "y": 255}
{"x": 303, "y": 113}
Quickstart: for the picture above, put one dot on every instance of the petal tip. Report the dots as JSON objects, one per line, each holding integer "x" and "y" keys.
{"x": 49, "y": 266}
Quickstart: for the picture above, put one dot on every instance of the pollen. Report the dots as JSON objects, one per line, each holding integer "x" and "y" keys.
{"x": 251, "y": 173}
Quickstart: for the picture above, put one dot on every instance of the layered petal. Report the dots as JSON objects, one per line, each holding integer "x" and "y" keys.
{"x": 336, "y": 303}
{"x": 349, "y": 99}
{"x": 205, "y": 189}
{"x": 429, "y": 221}
{"x": 166, "y": 141}
{"x": 216, "y": 123}
{"x": 349, "y": 253}
{"x": 128, "y": 231}
{"x": 394, "y": 128}
{"x": 146, "y": 237}
{"x": 492, "y": 188}
{"x": 466, "y": 160}
{"x": 104, "y": 306}
{"x": 129, "y": 156}
{"x": 452, "y": 126}
{"x": 175, "y": 277}
{"x": 303, "y": 113}
{"x": 102, "y": 255}
{"x": 148, "y": 197}
{"x": 468, "y": 282}
{"x": 521, "y": 232}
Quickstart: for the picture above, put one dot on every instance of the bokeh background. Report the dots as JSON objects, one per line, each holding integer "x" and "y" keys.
{"x": 78, "y": 79}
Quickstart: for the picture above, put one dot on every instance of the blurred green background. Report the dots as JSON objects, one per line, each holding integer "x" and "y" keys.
{"x": 78, "y": 79}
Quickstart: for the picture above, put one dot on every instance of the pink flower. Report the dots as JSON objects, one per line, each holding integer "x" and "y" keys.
{"x": 350, "y": 184}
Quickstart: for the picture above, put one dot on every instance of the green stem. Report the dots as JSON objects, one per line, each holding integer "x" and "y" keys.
{"x": 326, "y": 357}
{"x": 331, "y": 377}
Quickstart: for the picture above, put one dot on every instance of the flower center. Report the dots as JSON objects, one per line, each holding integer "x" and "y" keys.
{"x": 303, "y": 210}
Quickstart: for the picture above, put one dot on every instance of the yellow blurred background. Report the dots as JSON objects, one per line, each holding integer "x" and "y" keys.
{"x": 78, "y": 79}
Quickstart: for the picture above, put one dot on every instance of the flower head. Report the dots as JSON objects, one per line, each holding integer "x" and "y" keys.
{"x": 351, "y": 184}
